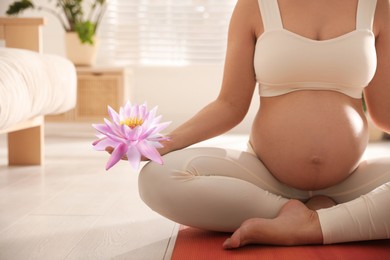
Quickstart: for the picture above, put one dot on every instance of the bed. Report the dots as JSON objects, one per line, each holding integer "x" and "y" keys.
{"x": 32, "y": 85}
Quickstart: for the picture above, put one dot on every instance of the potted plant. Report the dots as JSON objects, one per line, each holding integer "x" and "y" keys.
{"x": 80, "y": 28}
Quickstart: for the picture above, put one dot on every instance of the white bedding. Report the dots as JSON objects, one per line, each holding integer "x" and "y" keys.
{"x": 33, "y": 84}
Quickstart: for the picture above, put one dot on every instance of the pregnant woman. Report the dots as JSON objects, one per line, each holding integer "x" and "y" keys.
{"x": 302, "y": 180}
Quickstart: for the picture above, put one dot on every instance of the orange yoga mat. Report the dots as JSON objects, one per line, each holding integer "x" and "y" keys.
{"x": 192, "y": 243}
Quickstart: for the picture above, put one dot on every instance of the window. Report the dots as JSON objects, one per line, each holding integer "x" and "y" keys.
{"x": 164, "y": 32}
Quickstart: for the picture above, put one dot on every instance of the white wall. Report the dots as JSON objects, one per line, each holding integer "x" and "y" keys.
{"x": 52, "y": 33}
{"x": 179, "y": 92}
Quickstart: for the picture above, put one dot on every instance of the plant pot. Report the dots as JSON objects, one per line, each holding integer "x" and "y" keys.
{"x": 80, "y": 54}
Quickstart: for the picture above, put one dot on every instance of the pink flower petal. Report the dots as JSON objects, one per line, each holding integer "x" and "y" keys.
{"x": 116, "y": 155}
{"x": 141, "y": 110}
{"x": 116, "y": 138}
{"x": 113, "y": 115}
{"x": 155, "y": 120}
{"x": 149, "y": 152}
{"x": 113, "y": 128}
{"x": 102, "y": 128}
{"x": 133, "y": 134}
{"x": 154, "y": 130}
{"x": 134, "y": 111}
{"x": 107, "y": 131}
{"x": 134, "y": 157}
{"x": 156, "y": 144}
{"x": 152, "y": 113}
{"x": 143, "y": 139}
{"x": 102, "y": 144}
{"x": 127, "y": 109}
{"x": 161, "y": 126}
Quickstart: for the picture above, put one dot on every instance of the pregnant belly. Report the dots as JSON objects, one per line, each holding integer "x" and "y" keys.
{"x": 310, "y": 139}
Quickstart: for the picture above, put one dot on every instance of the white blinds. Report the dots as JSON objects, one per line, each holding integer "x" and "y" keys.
{"x": 164, "y": 32}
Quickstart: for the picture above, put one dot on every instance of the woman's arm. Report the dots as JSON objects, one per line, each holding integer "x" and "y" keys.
{"x": 377, "y": 94}
{"x": 238, "y": 84}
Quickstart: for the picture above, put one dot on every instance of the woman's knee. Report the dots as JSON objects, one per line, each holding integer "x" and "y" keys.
{"x": 157, "y": 183}
{"x": 148, "y": 183}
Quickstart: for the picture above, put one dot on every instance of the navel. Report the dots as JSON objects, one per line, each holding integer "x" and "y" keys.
{"x": 316, "y": 160}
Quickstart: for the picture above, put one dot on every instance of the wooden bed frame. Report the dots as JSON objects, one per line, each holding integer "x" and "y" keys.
{"x": 26, "y": 139}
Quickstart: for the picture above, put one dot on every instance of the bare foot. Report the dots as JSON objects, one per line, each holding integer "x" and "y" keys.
{"x": 294, "y": 225}
{"x": 320, "y": 202}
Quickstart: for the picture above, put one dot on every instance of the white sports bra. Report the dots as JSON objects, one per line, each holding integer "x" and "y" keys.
{"x": 285, "y": 61}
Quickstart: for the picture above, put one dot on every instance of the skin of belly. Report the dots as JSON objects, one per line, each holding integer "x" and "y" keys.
{"x": 310, "y": 140}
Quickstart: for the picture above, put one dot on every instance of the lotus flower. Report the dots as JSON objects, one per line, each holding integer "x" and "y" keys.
{"x": 133, "y": 132}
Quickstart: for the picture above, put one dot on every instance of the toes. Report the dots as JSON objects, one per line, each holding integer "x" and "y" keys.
{"x": 233, "y": 241}
{"x": 246, "y": 234}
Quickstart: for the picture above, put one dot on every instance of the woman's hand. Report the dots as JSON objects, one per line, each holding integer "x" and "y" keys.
{"x": 164, "y": 150}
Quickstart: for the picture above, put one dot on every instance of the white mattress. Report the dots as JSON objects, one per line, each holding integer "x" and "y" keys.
{"x": 33, "y": 84}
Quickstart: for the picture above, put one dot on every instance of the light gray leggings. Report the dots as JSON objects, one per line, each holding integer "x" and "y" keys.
{"x": 218, "y": 189}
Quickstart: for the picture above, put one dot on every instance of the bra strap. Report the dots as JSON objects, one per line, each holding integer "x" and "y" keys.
{"x": 270, "y": 15}
{"x": 365, "y": 14}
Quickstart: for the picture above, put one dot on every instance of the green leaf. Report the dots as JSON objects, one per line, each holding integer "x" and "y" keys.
{"x": 85, "y": 31}
{"x": 19, "y": 6}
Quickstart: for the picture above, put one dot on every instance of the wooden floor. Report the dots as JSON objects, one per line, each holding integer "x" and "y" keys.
{"x": 71, "y": 208}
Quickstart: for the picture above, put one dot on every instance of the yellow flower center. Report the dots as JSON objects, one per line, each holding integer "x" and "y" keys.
{"x": 132, "y": 122}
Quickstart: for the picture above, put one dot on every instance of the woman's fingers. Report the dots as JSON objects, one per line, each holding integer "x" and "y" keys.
{"x": 110, "y": 149}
